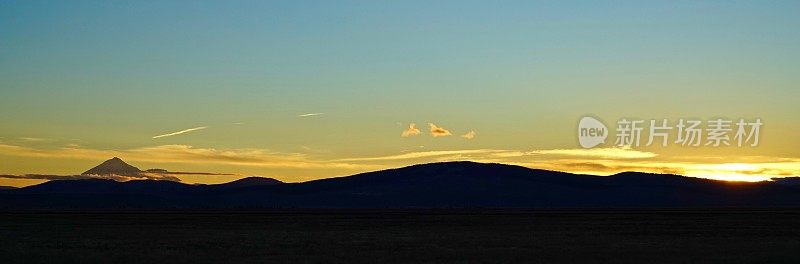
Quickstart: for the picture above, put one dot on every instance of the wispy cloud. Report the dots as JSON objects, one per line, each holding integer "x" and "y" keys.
{"x": 469, "y": 135}
{"x": 180, "y": 132}
{"x": 186, "y": 154}
{"x": 35, "y": 139}
{"x": 145, "y": 175}
{"x": 437, "y": 131}
{"x": 142, "y": 176}
{"x": 608, "y": 153}
{"x": 310, "y": 114}
{"x": 412, "y": 130}
{"x": 753, "y": 171}
{"x": 191, "y": 173}
{"x": 425, "y": 154}
{"x": 600, "y": 161}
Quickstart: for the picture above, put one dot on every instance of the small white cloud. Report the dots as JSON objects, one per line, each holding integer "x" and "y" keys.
{"x": 438, "y": 131}
{"x": 310, "y": 114}
{"x": 412, "y": 130}
{"x": 469, "y": 135}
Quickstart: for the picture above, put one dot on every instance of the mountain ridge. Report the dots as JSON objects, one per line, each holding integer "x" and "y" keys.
{"x": 432, "y": 185}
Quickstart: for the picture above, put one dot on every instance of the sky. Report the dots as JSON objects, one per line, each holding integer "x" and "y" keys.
{"x": 302, "y": 90}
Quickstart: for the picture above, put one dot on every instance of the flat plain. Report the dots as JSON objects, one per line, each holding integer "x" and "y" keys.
{"x": 402, "y": 236}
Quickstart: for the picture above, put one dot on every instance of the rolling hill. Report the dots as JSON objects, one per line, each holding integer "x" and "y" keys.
{"x": 435, "y": 185}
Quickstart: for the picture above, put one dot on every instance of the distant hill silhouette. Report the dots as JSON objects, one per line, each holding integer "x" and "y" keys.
{"x": 114, "y": 166}
{"x": 247, "y": 182}
{"x": 788, "y": 181}
{"x": 435, "y": 185}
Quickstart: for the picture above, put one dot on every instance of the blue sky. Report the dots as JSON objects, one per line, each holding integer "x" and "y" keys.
{"x": 112, "y": 74}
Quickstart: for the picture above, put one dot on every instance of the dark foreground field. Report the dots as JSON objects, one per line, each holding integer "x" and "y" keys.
{"x": 696, "y": 236}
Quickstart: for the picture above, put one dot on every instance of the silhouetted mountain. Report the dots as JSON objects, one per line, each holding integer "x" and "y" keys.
{"x": 436, "y": 185}
{"x": 788, "y": 181}
{"x": 113, "y": 166}
{"x": 247, "y": 182}
{"x": 7, "y": 187}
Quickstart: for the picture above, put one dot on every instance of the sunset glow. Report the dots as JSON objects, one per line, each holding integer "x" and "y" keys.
{"x": 303, "y": 92}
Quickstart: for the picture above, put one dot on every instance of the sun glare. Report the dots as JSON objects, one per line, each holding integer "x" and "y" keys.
{"x": 730, "y": 172}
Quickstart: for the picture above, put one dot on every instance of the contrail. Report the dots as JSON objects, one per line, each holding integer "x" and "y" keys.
{"x": 180, "y": 132}
{"x": 310, "y": 114}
